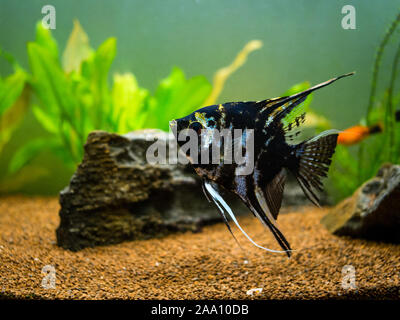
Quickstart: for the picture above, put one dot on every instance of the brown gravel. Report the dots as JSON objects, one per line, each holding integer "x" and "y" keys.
{"x": 206, "y": 265}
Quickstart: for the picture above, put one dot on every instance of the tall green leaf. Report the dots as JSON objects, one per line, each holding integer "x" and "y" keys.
{"x": 95, "y": 70}
{"x": 46, "y": 41}
{"x": 49, "y": 81}
{"x": 25, "y": 154}
{"x": 14, "y": 100}
{"x": 77, "y": 49}
{"x": 128, "y": 101}
{"x": 10, "y": 89}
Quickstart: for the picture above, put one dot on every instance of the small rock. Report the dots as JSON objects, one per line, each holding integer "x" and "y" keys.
{"x": 254, "y": 291}
{"x": 373, "y": 212}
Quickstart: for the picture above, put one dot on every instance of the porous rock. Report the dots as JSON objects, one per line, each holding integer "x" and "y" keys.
{"x": 373, "y": 212}
{"x": 116, "y": 195}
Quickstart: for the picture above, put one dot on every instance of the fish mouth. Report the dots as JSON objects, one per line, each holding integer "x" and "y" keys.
{"x": 174, "y": 127}
{"x": 172, "y": 124}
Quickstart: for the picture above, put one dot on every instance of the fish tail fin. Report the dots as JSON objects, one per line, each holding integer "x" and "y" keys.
{"x": 311, "y": 162}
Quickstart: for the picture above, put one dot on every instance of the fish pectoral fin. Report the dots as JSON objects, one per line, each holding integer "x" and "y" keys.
{"x": 222, "y": 205}
{"x": 212, "y": 198}
{"x": 208, "y": 197}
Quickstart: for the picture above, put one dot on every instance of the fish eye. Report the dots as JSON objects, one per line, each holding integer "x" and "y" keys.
{"x": 196, "y": 126}
{"x": 211, "y": 123}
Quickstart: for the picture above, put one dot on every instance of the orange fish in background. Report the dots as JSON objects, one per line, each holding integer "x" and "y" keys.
{"x": 355, "y": 134}
{"x": 358, "y": 133}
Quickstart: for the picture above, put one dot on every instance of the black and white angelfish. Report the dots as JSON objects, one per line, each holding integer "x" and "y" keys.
{"x": 274, "y": 155}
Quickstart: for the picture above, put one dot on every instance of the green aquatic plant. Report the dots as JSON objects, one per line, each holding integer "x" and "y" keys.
{"x": 223, "y": 74}
{"x": 73, "y": 95}
{"x": 15, "y": 96}
{"x": 14, "y": 100}
{"x": 354, "y": 165}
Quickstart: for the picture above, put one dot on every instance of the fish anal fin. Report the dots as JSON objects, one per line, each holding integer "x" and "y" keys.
{"x": 258, "y": 206}
{"x": 266, "y": 218}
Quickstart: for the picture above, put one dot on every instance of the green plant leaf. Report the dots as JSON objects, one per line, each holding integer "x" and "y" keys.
{"x": 33, "y": 148}
{"x": 10, "y": 89}
{"x": 46, "y": 41}
{"x": 26, "y": 153}
{"x": 13, "y": 116}
{"x": 128, "y": 101}
{"x": 49, "y": 81}
{"x": 44, "y": 119}
{"x": 77, "y": 49}
{"x": 59, "y": 149}
{"x": 60, "y": 107}
{"x": 95, "y": 70}
{"x": 14, "y": 100}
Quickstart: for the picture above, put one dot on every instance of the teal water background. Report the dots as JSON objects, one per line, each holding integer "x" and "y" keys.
{"x": 303, "y": 40}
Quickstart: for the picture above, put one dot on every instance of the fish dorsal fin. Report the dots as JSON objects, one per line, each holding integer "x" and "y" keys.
{"x": 278, "y": 108}
{"x": 295, "y": 123}
{"x": 274, "y": 193}
{"x": 291, "y": 128}
{"x": 270, "y": 102}
{"x": 276, "y": 105}
{"x": 305, "y": 93}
